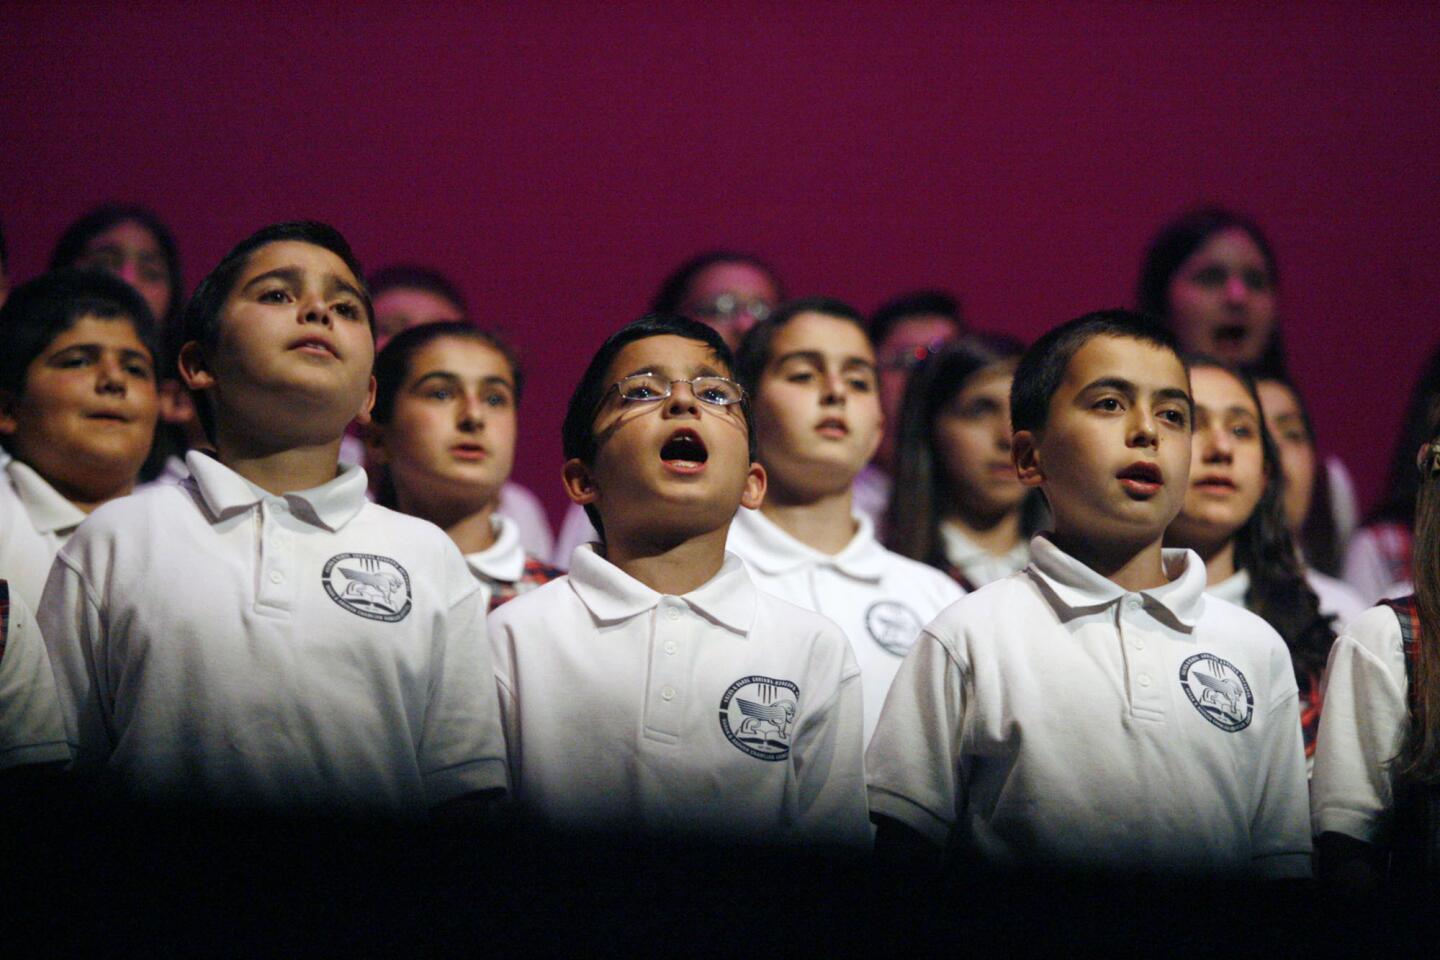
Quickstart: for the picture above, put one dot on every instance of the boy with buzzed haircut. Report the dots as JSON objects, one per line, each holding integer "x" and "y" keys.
{"x": 811, "y": 371}
{"x": 1097, "y": 711}
{"x": 260, "y": 636}
{"x": 655, "y": 689}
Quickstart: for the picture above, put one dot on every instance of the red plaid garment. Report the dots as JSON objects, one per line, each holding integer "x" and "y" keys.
{"x": 536, "y": 574}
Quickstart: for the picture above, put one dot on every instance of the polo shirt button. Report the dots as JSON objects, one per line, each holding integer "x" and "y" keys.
{"x": 667, "y": 693}
{"x": 670, "y": 646}
{"x": 1143, "y": 679}
{"x": 1133, "y": 603}
{"x": 276, "y": 576}
{"x": 1138, "y": 644}
{"x": 672, "y": 613}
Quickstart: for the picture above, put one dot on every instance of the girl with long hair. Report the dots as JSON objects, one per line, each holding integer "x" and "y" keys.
{"x": 958, "y": 505}
{"x": 1234, "y": 519}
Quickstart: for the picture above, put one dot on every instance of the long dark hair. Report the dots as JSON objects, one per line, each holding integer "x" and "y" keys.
{"x": 1265, "y": 549}
{"x": 1402, "y": 483}
{"x": 72, "y": 243}
{"x": 1419, "y": 760}
{"x": 1175, "y": 243}
{"x": 675, "y": 288}
{"x": 1318, "y": 536}
{"x": 921, "y": 491}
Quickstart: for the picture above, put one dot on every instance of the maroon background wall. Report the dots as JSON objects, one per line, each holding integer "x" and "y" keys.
{"x": 559, "y": 158}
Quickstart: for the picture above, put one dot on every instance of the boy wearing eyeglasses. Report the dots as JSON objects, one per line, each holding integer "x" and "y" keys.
{"x": 654, "y": 689}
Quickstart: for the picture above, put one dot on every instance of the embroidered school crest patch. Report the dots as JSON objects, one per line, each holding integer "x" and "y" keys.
{"x": 757, "y": 715}
{"x": 1219, "y": 691}
{"x": 369, "y": 586}
{"x": 893, "y": 625}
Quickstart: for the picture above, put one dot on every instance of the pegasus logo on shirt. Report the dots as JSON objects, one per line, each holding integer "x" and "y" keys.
{"x": 1219, "y": 691}
{"x": 370, "y": 586}
{"x": 756, "y": 714}
{"x": 894, "y": 626}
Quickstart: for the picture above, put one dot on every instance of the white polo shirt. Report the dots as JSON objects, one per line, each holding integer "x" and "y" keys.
{"x": 1054, "y": 719}
{"x": 723, "y": 713}
{"x": 30, "y": 727}
{"x": 35, "y": 521}
{"x": 506, "y": 569}
{"x": 1362, "y": 728}
{"x": 880, "y": 598}
{"x": 976, "y": 564}
{"x": 214, "y": 642}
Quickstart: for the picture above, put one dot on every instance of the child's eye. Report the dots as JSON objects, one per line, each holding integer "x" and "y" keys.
{"x": 1210, "y": 277}
{"x": 800, "y": 376}
{"x": 348, "y": 310}
{"x": 1243, "y": 431}
{"x": 1109, "y": 404}
{"x": 497, "y": 400}
{"x": 137, "y": 369}
{"x": 1173, "y": 417}
{"x": 861, "y": 384}
{"x": 440, "y": 393}
{"x": 639, "y": 391}
{"x": 1257, "y": 280}
{"x": 276, "y": 295}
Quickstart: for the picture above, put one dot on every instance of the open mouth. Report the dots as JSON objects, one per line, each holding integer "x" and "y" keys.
{"x": 832, "y": 427}
{"x": 316, "y": 346}
{"x": 107, "y": 416}
{"x": 1141, "y": 479}
{"x": 1231, "y": 334}
{"x": 684, "y": 451}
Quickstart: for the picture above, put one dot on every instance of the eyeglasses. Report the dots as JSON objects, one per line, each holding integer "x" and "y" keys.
{"x": 651, "y": 388}
{"x": 910, "y": 358}
{"x": 726, "y": 307}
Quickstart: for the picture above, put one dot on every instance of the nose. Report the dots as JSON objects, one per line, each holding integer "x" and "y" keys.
{"x": 1219, "y": 447}
{"x": 1235, "y": 289}
{"x": 1143, "y": 432}
{"x": 472, "y": 413}
{"x": 129, "y": 271}
{"x": 1002, "y": 434}
{"x": 110, "y": 376}
{"x": 833, "y": 387}
{"x": 682, "y": 401}
{"x": 314, "y": 309}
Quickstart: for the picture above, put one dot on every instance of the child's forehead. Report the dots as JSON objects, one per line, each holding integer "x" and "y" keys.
{"x": 1149, "y": 366}
{"x": 92, "y": 329}
{"x": 279, "y": 254}
{"x": 667, "y": 354}
{"x": 815, "y": 332}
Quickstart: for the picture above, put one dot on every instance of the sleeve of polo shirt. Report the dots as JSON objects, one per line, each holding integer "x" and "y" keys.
{"x": 31, "y": 730}
{"x": 829, "y": 757}
{"x": 502, "y": 639}
{"x": 74, "y": 632}
{"x": 1362, "y": 729}
{"x": 1280, "y": 826}
{"x": 914, "y": 751}
{"x": 462, "y": 749}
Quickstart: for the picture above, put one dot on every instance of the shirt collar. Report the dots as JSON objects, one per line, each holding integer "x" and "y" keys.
{"x": 49, "y": 512}
{"x": 961, "y": 551}
{"x": 773, "y": 552}
{"x": 1074, "y": 589}
{"x": 503, "y": 560}
{"x": 330, "y": 505}
{"x": 1233, "y": 588}
{"x": 612, "y": 595}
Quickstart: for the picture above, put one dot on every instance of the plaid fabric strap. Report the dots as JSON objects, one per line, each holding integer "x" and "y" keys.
{"x": 1415, "y": 846}
{"x": 4, "y": 616}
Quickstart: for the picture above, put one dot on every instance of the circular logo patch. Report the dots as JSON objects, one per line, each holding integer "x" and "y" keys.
{"x": 757, "y": 715}
{"x": 893, "y": 625}
{"x": 1219, "y": 691}
{"x": 369, "y": 586}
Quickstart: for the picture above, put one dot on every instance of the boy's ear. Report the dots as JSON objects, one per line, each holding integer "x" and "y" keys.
{"x": 1025, "y": 454}
{"x": 579, "y": 484}
{"x": 755, "y": 483}
{"x": 373, "y": 434}
{"x": 8, "y": 423}
{"x": 363, "y": 417}
{"x": 193, "y": 368}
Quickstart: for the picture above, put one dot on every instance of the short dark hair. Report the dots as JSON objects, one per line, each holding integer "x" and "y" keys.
{"x": 577, "y": 435}
{"x": 40, "y": 310}
{"x": 409, "y": 276}
{"x": 72, "y": 243}
{"x": 202, "y": 313}
{"x": 1176, "y": 242}
{"x": 1043, "y": 366}
{"x": 753, "y": 354}
{"x": 919, "y": 302}
{"x": 675, "y": 288}
{"x": 392, "y": 364}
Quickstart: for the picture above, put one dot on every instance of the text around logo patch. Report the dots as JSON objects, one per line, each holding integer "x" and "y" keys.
{"x": 369, "y": 586}
{"x": 892, "y": 625}
{"x": 1219, "y": 691}
{"x": 757, "y": 715}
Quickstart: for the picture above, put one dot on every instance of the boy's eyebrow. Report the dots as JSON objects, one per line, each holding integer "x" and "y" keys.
{"x": 448, "y": 375}
{"x": 1175, "y": 393}
{"x": 1112, "y": 383}
{"x": 335, "y": 282}
{"x": 818, "y": 359}
{"x": 291, "y": 276}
